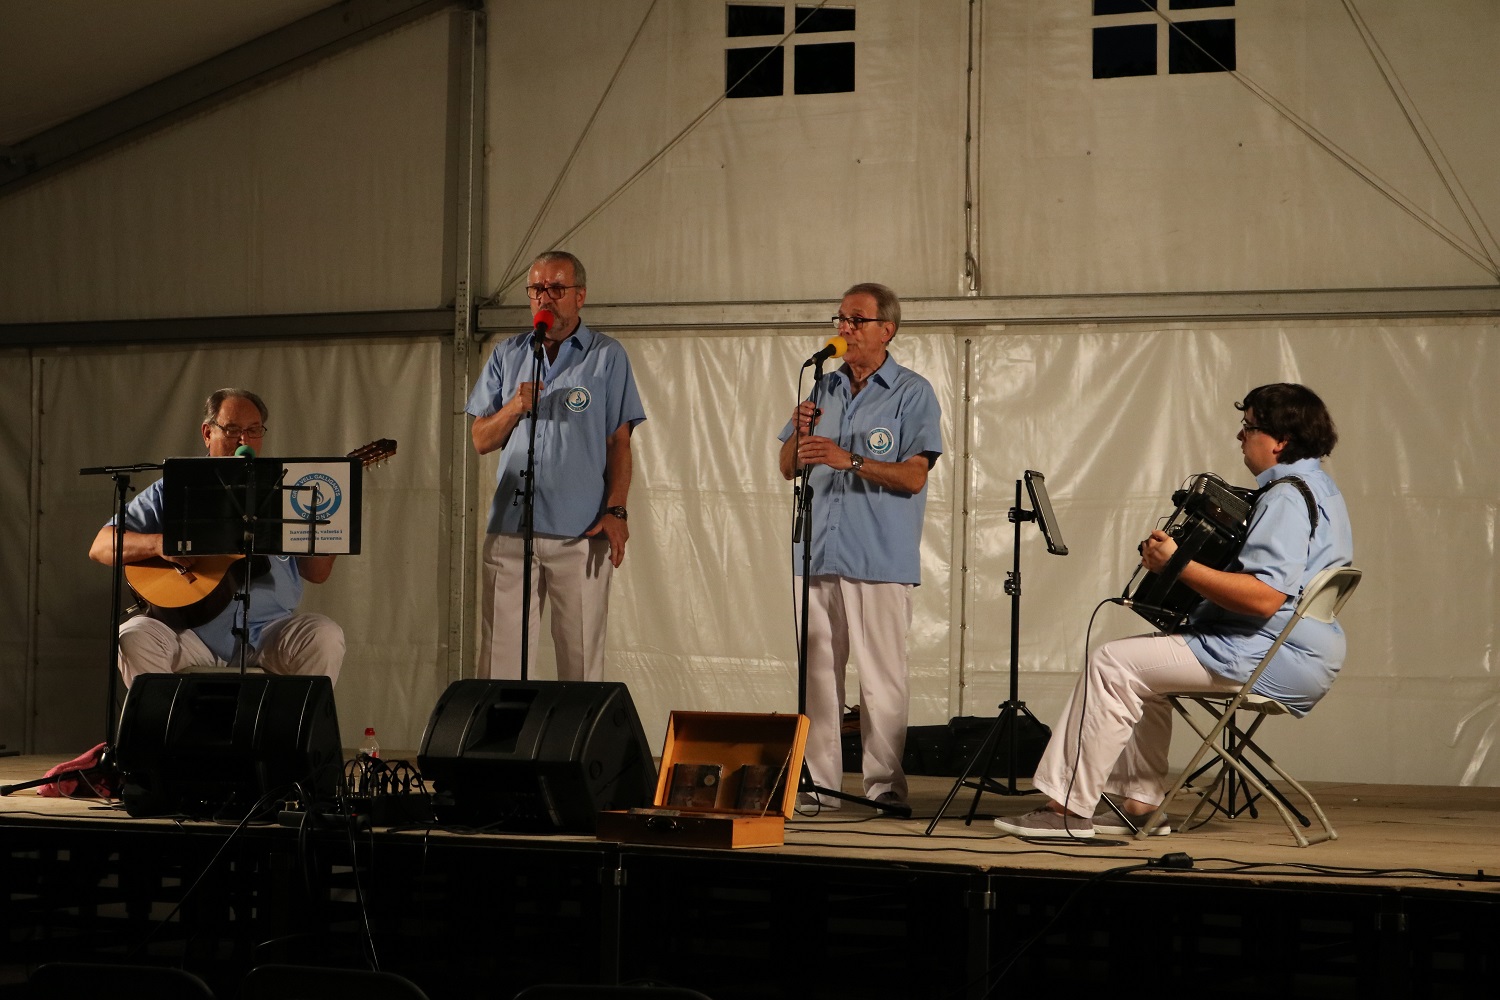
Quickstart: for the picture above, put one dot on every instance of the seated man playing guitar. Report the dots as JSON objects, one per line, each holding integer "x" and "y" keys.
{"x": 176, "y": 639}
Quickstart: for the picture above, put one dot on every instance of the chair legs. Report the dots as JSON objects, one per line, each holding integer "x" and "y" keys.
{"x": 1231, "y": 756}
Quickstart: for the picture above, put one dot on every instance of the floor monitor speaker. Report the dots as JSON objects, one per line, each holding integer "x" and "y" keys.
{"x": 226, "y": 746}
{"x": 535, "y": 755}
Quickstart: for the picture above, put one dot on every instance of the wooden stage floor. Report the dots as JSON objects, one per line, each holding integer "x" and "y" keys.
{"x": 854, "y": 904}
{"x": 1402, "y": 830}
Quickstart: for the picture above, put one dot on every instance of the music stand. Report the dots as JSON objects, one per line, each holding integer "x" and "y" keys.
{"x": 247, "y": 507}
{"x": 1007, "y": 722}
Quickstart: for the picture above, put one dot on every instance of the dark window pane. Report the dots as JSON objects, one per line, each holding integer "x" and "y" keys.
{"x": 755, "y": 19}
{"x": 1199, "y": 4}
{"x": 1201, "y": 47}
{"x": 810, "y": 19}
{"x": 1125, "y": 50}
{"x": 1122, "y": 6}
{"x": 744, "y": 78}
{"x": 823, "y": 69}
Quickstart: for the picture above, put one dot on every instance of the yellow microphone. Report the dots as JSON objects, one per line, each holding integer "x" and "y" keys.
{"x": 835, "y": 348}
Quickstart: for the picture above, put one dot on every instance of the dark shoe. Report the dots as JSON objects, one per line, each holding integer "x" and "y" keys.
{"x": 1044, "y": 824}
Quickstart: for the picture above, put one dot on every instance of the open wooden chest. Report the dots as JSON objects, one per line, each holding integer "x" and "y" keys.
{"x": 727, "y": 779}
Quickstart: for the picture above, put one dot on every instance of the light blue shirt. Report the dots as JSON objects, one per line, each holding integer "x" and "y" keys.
{"x": 274, "y": 595}
{"x": 1281, "y": 552}
{"x": 589, "y": 393}
{"x": 862, "y": 531}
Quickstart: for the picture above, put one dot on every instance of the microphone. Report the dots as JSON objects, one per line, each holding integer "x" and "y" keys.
{"x": 244, "y": 451}
{"x": 835, "y": 348}
{"x": 541, "y": 322}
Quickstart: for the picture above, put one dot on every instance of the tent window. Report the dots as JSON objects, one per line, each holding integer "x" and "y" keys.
{"x": 822, "y": 67}
{"x": 1127, "y": 44}
{"x": 1125, "y": 50}
{"x": 811, "y": 19}
{"x": 754, "y": 72}
{"x": 1122, "y": 6}
{"x": 750, "y": 19}
{"x": 1202, "y": 47}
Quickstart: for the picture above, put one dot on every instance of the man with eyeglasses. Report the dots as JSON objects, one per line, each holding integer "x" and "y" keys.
{"x": 282, "y": 641}
{"x": 586, "y": 407}
{"x": 871, "y": 442}
{"x": 1116, "y": 729}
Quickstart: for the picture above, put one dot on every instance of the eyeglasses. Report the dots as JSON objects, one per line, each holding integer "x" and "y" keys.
{"x": 1249, "y": 428}
{"x": 553, "y": 292}
{"x": 236, "y": 431}
{"x": 840, "y": 319}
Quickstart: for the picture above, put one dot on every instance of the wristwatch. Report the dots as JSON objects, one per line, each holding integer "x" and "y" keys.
{"x": 616, "y": 511}
{"x": 856, "y": 462}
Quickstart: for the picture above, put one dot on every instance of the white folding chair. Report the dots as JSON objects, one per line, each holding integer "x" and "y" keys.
{"x": 1322, "y": 600}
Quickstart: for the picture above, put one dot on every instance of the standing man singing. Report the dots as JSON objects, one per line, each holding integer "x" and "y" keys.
{"x": 282, "y": 641}
{"x": 870, "y": 449}
{"x": 586, "y": 407}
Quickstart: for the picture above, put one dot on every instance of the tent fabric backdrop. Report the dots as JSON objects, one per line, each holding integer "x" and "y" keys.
{"x": 701, "y": 610}
{"x": 330, "y": 190}
{"x": 324, "y": 400}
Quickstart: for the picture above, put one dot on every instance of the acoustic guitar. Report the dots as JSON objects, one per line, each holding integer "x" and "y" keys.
{"x": 186, "y": 597}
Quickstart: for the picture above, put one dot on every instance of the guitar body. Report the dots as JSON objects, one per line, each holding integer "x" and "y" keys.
{"x": 185, "y": 598}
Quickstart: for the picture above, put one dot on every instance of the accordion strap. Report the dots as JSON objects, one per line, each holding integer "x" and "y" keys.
{"x": 1303, "y": 488}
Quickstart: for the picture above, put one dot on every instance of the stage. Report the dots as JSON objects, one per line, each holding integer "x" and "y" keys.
{"x": 854, "y": 904}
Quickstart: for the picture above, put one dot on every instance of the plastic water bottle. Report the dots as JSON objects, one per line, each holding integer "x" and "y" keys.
{"x": 371, "y": 746}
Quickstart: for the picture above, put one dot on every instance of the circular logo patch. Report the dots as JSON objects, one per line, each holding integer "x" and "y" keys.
{"x": 881, "y": 441}
{"x": 318, "y": 487}
{"x": 578, "y": 399}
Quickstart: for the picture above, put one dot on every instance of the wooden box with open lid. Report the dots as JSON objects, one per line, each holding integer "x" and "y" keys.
{"x": 727, "y": 779}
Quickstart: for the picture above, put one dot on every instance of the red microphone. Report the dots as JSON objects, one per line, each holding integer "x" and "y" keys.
{"x": 540, "y": 324}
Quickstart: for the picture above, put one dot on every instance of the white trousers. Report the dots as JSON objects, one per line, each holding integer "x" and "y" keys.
{"x": 869, "y": 622}
{"x": 1119, "y": 720}
{"x": 572, "y": 574}
{"x": 306, "y": 644}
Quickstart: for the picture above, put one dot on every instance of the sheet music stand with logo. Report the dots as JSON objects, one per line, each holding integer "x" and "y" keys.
{"x": 260, "y": 507}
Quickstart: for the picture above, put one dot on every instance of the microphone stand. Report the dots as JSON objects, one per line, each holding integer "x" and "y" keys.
{"x": 247, "y": 548}
{"x": 526, "y": 496}
{"x": 802, "y": 532}
{"x": 121, "y": 475}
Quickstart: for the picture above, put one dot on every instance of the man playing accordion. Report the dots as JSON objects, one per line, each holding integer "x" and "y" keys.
{"x": 1115, "y": 731}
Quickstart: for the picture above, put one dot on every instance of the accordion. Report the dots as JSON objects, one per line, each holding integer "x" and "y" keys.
{"x": 1209, "y": 526}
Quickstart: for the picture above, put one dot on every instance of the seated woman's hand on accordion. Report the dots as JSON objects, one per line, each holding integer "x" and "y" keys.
{"x": 1157, "y": 550}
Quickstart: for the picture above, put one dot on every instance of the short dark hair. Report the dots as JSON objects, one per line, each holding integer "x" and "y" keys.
{"x": 1292, "y": 413}
{"x": 580, "y": 276}
{"x": 887, "y": 306}
{"x": 215, "y": 402}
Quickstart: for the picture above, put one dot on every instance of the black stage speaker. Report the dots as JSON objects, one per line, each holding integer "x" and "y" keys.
{"x": 225, "y": 745}
{"x": 535, "y": 755}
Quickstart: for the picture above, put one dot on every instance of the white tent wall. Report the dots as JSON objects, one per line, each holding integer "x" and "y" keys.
{"x": 16, "y": 558}
{"x": 770, "y": 198}
{"x": 329, "y": 191}
{"x": 322, "y": 192}
{"x": 1117, "y": 418}
{"x": 1189, "y": 182}
{"x": 324, "y": 400}
{"x": 701, "y": 615}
